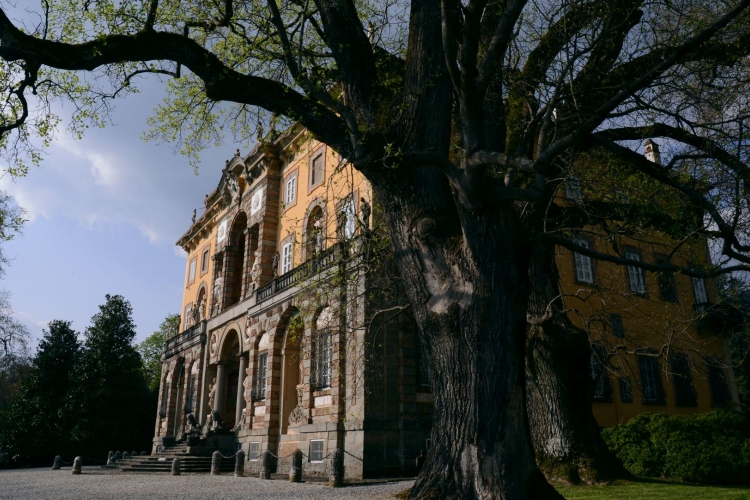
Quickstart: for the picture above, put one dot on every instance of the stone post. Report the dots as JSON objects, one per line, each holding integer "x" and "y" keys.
{"x": 76, "y": 466}
{"x": 176, "y": 466}
{"x": 117, "y": 456}
{"x": 57, "y": 463}
{"x": 265, "y": 465}
{"x": 239, "y": 464}
{"x": 109, "y": 457}
{"x": 241, "y": 390}
{"x": 144, "y": 453}
{"x": 336, "y": 469}
{"x": 295, "y": 471}
{"x": 216, "y": 464}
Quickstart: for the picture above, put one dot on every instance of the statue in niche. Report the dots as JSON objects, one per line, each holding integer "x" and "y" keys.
{"x": 247, "y": 328}
{"x": 255, "y": 270}
{"x": 213, "y": 344}
{"x": 364, "y": 213}
{"x": 193, "y": 427}
{"x": 188, "y": 318}
{"x": 233, "y": 185}
{"x": 318, "y": 242}
{"x": 212, "y": 394}
{"x": 297, "y": 415}
{"x": 215, "y": 295}
{"x": 202, "y": 309}
{"x": 275, "y": 264}
{"x": 195, "y": 212}
{"x": 194, "y": 315}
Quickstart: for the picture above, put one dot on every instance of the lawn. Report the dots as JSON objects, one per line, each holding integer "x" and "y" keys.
{"x": 653, "y": 489}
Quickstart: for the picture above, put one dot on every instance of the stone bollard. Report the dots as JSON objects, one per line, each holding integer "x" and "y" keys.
{"x": 110, "y": 455}
{"x": 336, "y": 469}
{"x": 134, "y": 454}
{"x": 216, "y": 464}
{"x": 295, "y": 471}
{"x": 265, "y": 465}
{"x": 117, "y": 456}
{"x": 57, "y": 463}
{"x": 76, "y": 466}
{"x": 143, "y": 454}
{"x": 176, "y": 466}
{"x": 239, "y": 464}
{"x": 125, "y": 454}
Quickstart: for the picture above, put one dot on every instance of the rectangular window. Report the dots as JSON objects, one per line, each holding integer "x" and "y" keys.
{"x": 684, "y": 392}
{"x": 347, "y": 218}
{"x": 717, "y": 381}
{"x": 191, "y": 273}
{"x": 584, "y": 267}
{"x": 204, "y": 261}
{"x": 186, "y": 323}
{"x": 316, "y": 171}
{"x": 636, "y": 280}
{"x": 626, "y": 390}
{"x": 618, "y": 327}
{"x": 286, "y": 258}
{"x": 290, "y": 190}
{"x": 262, "y": 376}
{"x": 599, "y": 374}
{"x": 316, "y": 450}
{"x": 651, "y": 385}
{"x": 573, "y": 189}
{"x": 190, "y": 395}
{"x": 665, "y": 279}
{"x": 320, "y": 375}
{"x": 701, "y": 295}
{"x": 253, "y": 452}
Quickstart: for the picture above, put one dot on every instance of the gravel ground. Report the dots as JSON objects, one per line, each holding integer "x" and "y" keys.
{"x": 93, "y": 483}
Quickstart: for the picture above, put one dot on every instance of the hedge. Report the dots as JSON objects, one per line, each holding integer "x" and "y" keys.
{"x": 709, "y": 448}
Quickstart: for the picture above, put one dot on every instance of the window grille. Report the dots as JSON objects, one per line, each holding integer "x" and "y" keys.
{"x": 626, "y": 390}
{"x": 316, "y": 450}
{"x": 636, "y": 280}
{"x": 262, "y": 378}
{"x": 651, "y": 385}
{"x": 253, "y": 451}
{"x": 320, "y": 376}
{"x": 717, "y": 381}
{"x": 684, "y": 392}
{"x": 584, "y": 267}
{"x": 618, "y": 327}
{"x": 699, "y": 287}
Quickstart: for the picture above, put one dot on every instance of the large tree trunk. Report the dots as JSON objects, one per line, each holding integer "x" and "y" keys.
{"x": 565, "y": 434}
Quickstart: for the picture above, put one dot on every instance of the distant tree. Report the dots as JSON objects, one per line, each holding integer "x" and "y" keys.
{"x": 37, "y": 427}
{"x": 110, "y": 400}
{"x": 14, "y": 360}
{"x": 151, "y": 350}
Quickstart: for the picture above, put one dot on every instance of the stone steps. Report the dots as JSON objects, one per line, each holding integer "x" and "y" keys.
{"x": 187, "y": 464}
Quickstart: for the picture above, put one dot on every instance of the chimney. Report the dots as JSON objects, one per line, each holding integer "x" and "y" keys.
{"x": 652, "y": 152}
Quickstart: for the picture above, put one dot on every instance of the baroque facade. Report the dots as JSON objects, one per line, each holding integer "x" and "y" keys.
{"x": 283, "y": 346}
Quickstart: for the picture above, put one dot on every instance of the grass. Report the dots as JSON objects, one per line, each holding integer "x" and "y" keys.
{"x": 654, "y": 489}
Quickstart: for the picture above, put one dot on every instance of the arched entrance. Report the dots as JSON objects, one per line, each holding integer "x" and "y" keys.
{"x": 228, "y": 376}
{"x": 290, "y": 368}
{"x": 236, "y": 255}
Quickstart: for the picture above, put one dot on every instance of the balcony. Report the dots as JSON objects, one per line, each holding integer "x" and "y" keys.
{"x": 310, "y": 267}
{"x": 194, "y": 335}
{"x": 718, "y": 318}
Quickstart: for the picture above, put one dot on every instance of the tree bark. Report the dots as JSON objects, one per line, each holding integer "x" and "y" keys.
{"x": 565, "y": 435}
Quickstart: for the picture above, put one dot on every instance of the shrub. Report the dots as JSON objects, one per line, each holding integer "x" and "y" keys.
{"x": 711, "y": 448}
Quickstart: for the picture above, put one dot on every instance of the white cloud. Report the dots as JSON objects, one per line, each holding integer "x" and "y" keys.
{"x": 29, "y": 319}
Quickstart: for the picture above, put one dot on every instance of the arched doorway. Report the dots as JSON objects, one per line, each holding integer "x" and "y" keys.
{"x": 291, "y": 373}
{"x": 229, "y": 364}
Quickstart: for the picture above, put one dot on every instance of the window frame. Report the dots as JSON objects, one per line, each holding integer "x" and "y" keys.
{"x": 629, "y": 270}
{"x": 684, "y": 390}
{"x": 626, "y": 389}
{"x": 670, "y": 294}
{"x": 192, "y": 270}
{"x": 286, "y": 266}
{"x": 351, "y": 217}
{"x": 291, "y": 175}
{"x": 250, "y": 456}
{"x": 572, "y": 189}
{"x": 261, "y": 376}
{"x": 322, "y": 451}
{"x": 205, "y": 255}
{"x": 600, "y": 375}
{"x": 699, "y": 305}
{"x": 714, "y": 368}
{"x": 612, "y": 318}
{"x": 584, "y": 242}
{"x": 313, "y": 183}
{"x": 646, "y": 363}
{"x": 322, "y": 360}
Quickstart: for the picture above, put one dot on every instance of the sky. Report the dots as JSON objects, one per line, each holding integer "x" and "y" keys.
{"x": 103, "y": 216}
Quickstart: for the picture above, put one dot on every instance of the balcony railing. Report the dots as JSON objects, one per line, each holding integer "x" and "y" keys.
{"x": 313, "y": 265}
{"x": 188, "y": 338}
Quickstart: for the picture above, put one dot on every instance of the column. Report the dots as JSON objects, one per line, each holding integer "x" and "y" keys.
{"x": 241, "y": 389}
{"x": 221, "y": 386}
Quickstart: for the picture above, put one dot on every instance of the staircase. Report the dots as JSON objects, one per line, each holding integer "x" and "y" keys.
{"x": 162, "y": 462}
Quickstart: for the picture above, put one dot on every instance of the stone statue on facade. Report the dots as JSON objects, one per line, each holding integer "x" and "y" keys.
{"x": 233, "y": 185}
{"x": 192, "y": 426}
{"x": 255, "y": 270}
{"x": 318, "y": 242}
{"x": 215, "y": 295}
{"x": 212, "y": 394}
{"x": 188, "y": 318}
{"x": 195, "y": 212}
{"x": 297, "y": 415}
{"x": 194, "y": 316}
{"x": 364, "y": 213}
{"x": 202, "y": 309}
{"x": 275, "y": 264}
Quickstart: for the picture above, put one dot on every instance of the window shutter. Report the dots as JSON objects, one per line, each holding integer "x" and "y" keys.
{"x": 699, "y": 287}
{"x": 584, "y": 269}
{"x": 635, "y": 274}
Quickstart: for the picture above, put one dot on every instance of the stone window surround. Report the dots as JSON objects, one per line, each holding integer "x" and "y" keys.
{"x": 205, "y": 250}
{"x": 316, "y": 202}
{"x": 191, "y": 262}
{"x": 294, "y": 172}
{"x": 319, "y": 152}
{"x": 592, "y": 262}
{"x": 354, "y": 193}
{"x": 289, "y": 240}
{"x": 635, "y": 250}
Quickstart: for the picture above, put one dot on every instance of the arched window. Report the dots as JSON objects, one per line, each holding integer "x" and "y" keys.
{"x": 236, "y": 255}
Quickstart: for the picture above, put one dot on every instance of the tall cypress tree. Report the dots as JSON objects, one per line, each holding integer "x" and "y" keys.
{"x": 110, "y": 401}
{"x": 37, "y": 427}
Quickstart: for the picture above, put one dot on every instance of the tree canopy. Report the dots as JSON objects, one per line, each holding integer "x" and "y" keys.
{"x": 152, "y": 348}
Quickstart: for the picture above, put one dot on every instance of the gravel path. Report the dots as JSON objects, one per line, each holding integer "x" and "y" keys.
{"x": 43, "y": 484}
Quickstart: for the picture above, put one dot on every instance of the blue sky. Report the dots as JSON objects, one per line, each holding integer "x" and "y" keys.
{"x": 104, "y": 213}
